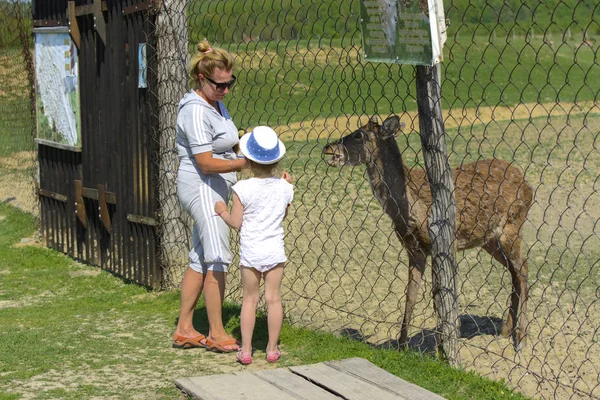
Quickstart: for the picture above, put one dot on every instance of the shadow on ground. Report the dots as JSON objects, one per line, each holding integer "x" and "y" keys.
{"x": 426, "y": 341}
{"x": 231, "y": 321}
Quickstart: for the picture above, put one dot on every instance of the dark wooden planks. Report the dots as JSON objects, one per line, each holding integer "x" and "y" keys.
{"x": 117, "y": 151}
{"x": 59, "y": 167}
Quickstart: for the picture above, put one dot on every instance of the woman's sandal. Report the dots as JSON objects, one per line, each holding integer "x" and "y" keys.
{"x": 221, "y": 347}
{"x": 182, "y": 342}
{"x": 273, "y": 356}
{"x": 243, "y": 358}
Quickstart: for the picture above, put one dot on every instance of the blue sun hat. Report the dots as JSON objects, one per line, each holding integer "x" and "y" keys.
{"x": 262, "y": 146}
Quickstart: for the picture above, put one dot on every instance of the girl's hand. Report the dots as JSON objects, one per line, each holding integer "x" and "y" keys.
{"x": 286, "y": 175}
{"x": 220, "y": 207}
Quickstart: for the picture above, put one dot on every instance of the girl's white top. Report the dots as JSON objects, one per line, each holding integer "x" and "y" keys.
{"x": 261, "y": 234}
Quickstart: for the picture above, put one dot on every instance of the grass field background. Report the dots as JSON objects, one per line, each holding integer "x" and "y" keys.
{"x": 280, "y": 85}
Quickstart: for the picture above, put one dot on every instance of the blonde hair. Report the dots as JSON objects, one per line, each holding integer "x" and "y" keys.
{"x": 205, "y": 60}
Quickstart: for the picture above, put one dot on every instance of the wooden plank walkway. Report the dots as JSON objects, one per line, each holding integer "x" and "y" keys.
{"x": 350, "y": 379}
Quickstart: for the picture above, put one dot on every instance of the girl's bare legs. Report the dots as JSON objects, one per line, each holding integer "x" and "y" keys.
{"x": 191, "y": 288}
{"x": 251, "y": 286}
{"x": 273, "y": 279}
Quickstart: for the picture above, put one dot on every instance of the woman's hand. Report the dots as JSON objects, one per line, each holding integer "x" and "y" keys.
{"x": 220, "y": 207}
{"x": 286, "y": 175}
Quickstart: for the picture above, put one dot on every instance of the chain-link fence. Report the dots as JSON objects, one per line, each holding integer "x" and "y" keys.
{"x": 17, "y": 157}
{"x": 520, "y": 83}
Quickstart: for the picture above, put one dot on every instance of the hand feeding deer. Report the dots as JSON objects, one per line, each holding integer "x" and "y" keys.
{"x": 492, "y": 201}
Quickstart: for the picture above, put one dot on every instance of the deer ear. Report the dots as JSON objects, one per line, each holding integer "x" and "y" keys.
{"x": 391, "y": 126}
{"x": 373, "y": 122}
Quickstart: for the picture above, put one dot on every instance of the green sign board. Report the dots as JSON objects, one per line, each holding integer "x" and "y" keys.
{"x": 403, "y": 31}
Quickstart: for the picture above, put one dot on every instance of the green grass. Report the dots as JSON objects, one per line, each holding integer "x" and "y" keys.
{"x": 327, "y": 19}
{"x": 306, "y": 62}
{"x": 278, "y": 85}
{"x": 61, "y": 321}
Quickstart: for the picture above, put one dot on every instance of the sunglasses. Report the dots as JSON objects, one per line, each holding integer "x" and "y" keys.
{"x": 221, "y": 86}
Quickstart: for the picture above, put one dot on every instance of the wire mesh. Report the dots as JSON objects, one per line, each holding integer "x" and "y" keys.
{"x": 17, "y": 155}
{"x": 519, "y": 83}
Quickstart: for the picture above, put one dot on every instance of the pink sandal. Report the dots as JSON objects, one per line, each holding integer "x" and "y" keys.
{"x": 273, "y": 356}
{"x": 243, "y": 358}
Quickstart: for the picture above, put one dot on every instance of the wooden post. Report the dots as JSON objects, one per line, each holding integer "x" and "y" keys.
{"x": 173, "y": 55}
{"x": 442, "y": 216}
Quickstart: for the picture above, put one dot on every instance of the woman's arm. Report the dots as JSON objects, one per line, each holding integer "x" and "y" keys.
{"x": 210, "y": 165}
{"x": 233, "y": 219}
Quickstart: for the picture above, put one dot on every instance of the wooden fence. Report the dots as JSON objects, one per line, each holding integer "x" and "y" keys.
{"x": 97, "y": 200}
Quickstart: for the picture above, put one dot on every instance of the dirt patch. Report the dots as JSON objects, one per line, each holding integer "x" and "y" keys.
{"x": 334, "y": 127}
{"x": 29, "y": 241}
{"x": 85, "y": 272}
{"x": 39, "y": 298}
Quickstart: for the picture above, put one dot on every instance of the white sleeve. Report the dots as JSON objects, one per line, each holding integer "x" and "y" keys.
{"x": 197, "y": 128}
{"x": 238, "y": 189}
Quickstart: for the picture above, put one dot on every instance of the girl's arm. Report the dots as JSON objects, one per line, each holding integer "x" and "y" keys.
{"x": 286, "y": 175}
{"x": 210, "y": 165}
{"x": 233, "y": 219}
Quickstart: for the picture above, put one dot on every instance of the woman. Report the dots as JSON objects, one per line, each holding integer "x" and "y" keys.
{"x": 206, "y": 136}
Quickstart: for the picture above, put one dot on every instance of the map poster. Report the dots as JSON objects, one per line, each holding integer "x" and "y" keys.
{"x": 57, "y": 86}
{"x": 403, "y": 31}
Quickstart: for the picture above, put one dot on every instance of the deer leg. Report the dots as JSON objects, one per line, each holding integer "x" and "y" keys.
{"x": 494, "y": 248}
{"x": 506, "y": 250}
{"x": 524, "y": 290}
{"x": 416, "y": 268}
{"x": 519, "y": 271}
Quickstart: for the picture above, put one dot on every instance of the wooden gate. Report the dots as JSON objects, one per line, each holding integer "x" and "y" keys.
{"x": 98, "y": 200}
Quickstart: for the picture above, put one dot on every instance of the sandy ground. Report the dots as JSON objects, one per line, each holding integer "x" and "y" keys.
{"x": 17, "y": 181}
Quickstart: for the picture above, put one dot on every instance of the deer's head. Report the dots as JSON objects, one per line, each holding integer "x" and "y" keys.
{"x": 359, "y": 146}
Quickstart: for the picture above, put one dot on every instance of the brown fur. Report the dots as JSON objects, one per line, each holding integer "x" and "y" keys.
{"x": 492, "y": 201}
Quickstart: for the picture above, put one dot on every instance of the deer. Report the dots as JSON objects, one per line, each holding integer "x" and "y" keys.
{"x": 492, "y": 201}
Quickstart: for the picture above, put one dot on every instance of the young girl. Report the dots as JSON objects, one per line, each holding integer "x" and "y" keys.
{"x": 259, "y": 207}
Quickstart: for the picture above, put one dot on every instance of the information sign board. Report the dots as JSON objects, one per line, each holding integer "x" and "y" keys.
{"x": 403, "y": 31}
